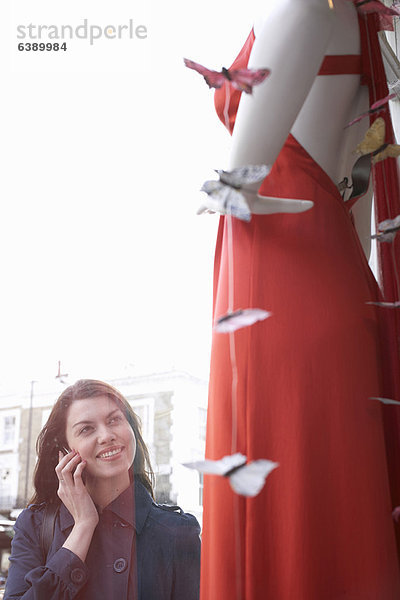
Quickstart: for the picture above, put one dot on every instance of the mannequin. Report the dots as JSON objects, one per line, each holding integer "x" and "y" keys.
{"x": 299, "y": 102}
{"x": 303, "y": 379}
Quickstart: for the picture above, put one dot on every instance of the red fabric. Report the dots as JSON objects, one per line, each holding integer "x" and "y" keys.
{"x": 387, "y": 205}
{"x": 321, "y": 528}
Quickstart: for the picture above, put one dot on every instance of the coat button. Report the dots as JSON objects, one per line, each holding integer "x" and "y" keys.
{"x": 77, "y": 575}
{"x": 120, "y": 565}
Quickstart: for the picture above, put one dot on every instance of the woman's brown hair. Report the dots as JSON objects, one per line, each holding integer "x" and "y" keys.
{"x": 52, "y": 439}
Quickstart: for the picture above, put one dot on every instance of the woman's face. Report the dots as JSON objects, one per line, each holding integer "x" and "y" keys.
{"x": 98, "y": 430}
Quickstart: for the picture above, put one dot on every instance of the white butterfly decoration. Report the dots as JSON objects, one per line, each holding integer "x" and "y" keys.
{"x": 224, "y": 197}
{"x": 387, "y": 304}
{"x": 386, "y": 400}
{"x": 240, "y": 318}
{"x": 246, "y": 479}
{"x": 387, "y": 230}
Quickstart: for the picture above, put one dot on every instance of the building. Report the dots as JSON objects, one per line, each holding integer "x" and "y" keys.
{"x": 172, "y": 409}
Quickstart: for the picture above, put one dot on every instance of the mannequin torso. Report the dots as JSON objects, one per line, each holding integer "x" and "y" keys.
{"x": 292, "y": 40}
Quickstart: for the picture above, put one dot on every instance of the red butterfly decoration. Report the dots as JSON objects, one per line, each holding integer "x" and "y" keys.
{"x": 385, "y": 22}
{"x": 396, "y": 514}
{"x": 241, "y": 79}
{"x": 370, "y": 6}
{"x": 375, "y": 107}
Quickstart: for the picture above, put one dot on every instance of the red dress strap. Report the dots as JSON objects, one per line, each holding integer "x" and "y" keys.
{"x": 240, "y": 62}
{"x": 341, "y": 64}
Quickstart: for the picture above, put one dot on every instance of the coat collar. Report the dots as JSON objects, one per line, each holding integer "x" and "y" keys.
{"x": 135, "y": 495}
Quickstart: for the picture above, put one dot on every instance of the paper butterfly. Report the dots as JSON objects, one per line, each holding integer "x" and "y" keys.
{"x": 360, "y": 175}
{"x": 246, "y": 479}
{"x": 375, "y": 107}
{"x": 240, "y": 318}
{"x": 387, "y": 230}
{"x": 386, "y": 304}
{"x": 370, "y": 6}
{"x": 224, "y": 200}
{"x": 396, "y": 514}
{"x": 243, "y": 175}
{"x": 386, "y": 401}
{"x": 373, "y": 143}
{"x": 385, "y": 22}
{"x": 224, "y": 195}
{"x": 241, "y": 79}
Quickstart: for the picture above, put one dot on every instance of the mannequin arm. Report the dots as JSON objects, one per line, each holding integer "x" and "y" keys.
{"x": 292, "y": 43}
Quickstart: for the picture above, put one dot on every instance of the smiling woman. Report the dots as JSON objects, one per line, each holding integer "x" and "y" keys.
{"x": 104, "y": 447}
{"x": 110, "y": 539}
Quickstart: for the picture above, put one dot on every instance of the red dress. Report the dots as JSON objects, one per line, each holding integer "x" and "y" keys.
{"x": 321, "y": 529}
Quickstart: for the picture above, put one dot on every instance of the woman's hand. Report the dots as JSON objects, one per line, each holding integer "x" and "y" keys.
{"x": 72, "y": 491}
{"x": 74, "y": 495}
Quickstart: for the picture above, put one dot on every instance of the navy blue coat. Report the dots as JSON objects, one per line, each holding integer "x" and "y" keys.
{"x": 154, "y": 556}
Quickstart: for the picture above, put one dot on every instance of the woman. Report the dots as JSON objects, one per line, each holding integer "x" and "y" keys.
{"x": 111, "y": 540}
{"x": 297, "y": 388}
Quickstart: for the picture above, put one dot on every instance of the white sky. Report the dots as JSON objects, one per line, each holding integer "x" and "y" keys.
{"x": 103, "y": 261}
